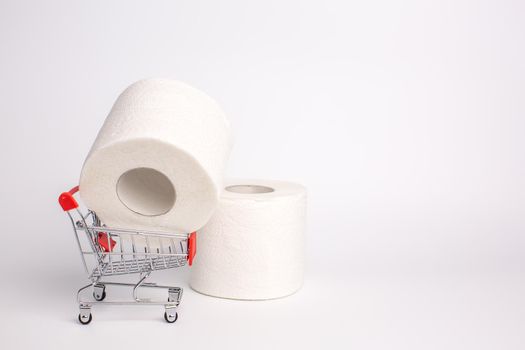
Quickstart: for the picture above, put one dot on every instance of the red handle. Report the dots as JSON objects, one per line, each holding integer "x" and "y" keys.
{"x": 66, "y": 200}
{"x": 192, "y": 247}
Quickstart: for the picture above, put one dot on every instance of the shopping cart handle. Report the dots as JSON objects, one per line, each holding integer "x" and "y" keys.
{"x": 66, "y": 200}
{"x": 192, "y": 247}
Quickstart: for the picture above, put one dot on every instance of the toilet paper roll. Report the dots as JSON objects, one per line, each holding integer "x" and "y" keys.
{"x": 158, "y": 160}
{"x": 253, "y": 246}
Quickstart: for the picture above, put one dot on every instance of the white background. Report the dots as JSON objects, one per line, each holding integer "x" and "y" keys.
{"x": 405, "y": 120}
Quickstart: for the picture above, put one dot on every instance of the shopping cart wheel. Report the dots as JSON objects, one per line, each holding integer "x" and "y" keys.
{"x": 99, "y": 292}
{"x": 171, "y": 317}
{"x": 84, "y": 319}
{"x": 99, "y": 297}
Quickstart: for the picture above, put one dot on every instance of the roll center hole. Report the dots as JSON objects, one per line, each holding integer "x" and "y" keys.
{"x": 146, "y": 191}
{"x": 249, "y": 189}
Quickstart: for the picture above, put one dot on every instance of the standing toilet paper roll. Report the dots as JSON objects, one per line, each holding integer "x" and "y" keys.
{"x": 253, "y": 246}
{"x": 158, "y": 160}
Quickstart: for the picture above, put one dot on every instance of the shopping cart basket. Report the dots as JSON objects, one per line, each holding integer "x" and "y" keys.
{"x": 109, "y": 251}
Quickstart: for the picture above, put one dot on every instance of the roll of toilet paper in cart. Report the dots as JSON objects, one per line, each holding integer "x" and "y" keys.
{"x": 253, "y": 246}
{"x": 158, "y": 160}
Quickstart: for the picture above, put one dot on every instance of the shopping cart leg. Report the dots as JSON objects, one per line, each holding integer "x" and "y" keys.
{"x": 143, "y": 277}
{"x": 174, "y": 295}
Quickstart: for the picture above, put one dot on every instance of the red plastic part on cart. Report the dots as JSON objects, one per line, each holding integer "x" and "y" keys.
{"x": 103, "y": 242}
{"x": 66, "y": 200}
{"x": 192, "y": 247}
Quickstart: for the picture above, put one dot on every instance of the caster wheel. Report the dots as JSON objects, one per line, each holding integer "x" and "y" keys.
{"x": 168, "y": 318}
{"x": 99, "y": 297}
{"x": 84, "y": 320}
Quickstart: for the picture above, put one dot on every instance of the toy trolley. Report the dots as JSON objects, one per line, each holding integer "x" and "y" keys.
{"x": 109, "y": 252}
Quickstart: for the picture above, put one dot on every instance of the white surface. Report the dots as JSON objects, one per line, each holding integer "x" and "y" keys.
{"x": 158, "y": 129}
{"x": 404, "y": 119}
{"x": 253, "y": 246}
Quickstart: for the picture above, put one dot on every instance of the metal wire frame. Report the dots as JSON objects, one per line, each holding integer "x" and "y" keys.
{"x": 128, "y": 257}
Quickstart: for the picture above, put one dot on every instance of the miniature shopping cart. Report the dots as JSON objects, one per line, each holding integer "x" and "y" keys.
{"x": 110, "y": 252}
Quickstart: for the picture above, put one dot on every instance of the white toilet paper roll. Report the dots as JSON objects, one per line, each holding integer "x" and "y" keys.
{"x": 158, "y": 160}
{"x": 253, "y": 246}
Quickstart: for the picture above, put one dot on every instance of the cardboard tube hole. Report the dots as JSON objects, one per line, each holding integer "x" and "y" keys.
{"x": 146, "y": 191}
{"x": 249, "y": 189}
